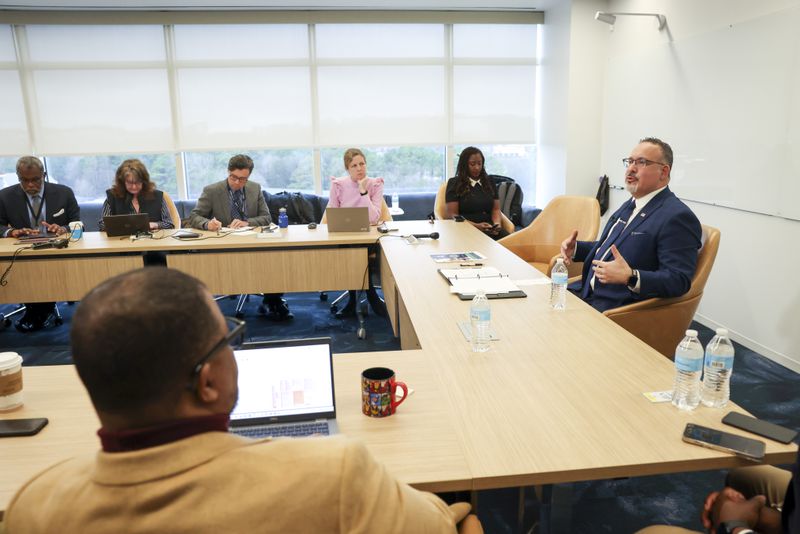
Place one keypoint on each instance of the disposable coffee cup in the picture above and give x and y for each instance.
(10, 381)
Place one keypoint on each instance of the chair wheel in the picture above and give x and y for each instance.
(334, 308)
(323, 296)
(59, 321)
(240, 315)
(361, 333)
(7, 322)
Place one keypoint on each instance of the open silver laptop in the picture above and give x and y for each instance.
(285, 389)
(348, 219)
(119, 225)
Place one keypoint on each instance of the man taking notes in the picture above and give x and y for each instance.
(152, 349)
(649, 245)
(237, 202)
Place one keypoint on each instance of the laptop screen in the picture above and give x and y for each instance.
(284, 381)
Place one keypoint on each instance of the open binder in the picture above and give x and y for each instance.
(466, 282)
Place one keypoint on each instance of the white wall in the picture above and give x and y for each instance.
(571, 92)
(761, 310)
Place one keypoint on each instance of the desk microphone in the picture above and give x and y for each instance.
(432, 235)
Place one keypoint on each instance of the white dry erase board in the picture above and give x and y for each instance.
(728, 101)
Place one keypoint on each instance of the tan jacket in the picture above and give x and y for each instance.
(219, 482)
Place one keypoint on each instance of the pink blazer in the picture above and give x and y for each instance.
(345, 194)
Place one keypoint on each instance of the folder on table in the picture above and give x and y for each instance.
(466, 282)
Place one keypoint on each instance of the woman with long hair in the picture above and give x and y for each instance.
(133, 192)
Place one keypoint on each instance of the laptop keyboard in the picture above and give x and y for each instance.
(287, 431)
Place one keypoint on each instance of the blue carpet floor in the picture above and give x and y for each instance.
(764, 388)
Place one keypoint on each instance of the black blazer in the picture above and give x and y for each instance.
(14, 210)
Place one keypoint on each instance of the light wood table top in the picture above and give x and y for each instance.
(418, 443)
(294, 236)
(558, 398)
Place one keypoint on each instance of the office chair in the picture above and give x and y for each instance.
(173, 210)
(539, 243)
(440, 210)
(662, 322)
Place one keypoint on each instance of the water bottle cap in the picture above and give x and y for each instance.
(722, 332)
(691, 333)
(282, 210)
(559, 260)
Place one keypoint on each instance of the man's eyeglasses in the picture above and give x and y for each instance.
(234, 338)
(239, 179)
(640, 162)
(36, 180)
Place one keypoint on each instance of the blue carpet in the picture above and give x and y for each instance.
(765, 388)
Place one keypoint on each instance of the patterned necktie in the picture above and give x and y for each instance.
(36, 214)
(616, 230)
(237, 207)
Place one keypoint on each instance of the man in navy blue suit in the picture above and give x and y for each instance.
(649, 245)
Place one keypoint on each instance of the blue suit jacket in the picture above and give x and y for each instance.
(661, 242)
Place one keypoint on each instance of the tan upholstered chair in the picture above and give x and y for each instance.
(661, 323)
(440, 210)
(173, 211)
(539, 243)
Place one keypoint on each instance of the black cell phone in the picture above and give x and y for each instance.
(750, 449)
(762, 428)
(21, 427)
(459, 218)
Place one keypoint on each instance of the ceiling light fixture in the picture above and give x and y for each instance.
(611, 18)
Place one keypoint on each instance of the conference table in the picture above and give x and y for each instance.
(558, 398)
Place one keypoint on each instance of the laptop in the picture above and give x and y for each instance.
(285, 389)
(348, 219)
(119, 225)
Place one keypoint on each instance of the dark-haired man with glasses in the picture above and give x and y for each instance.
(649, 245)
(237, 202)
(153, 351)
(33, 206)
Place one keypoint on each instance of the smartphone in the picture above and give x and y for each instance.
(762, 428)
(21, 427)
(750, 449)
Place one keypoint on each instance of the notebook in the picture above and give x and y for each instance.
(285, 389)
(347, 219)
(119, 225)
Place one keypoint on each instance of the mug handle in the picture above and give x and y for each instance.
(401, 385)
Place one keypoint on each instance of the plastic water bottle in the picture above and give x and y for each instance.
(719, 366)
(558, 285)
(283, 218)
(688, 367)
(480, 319)
(395, 200)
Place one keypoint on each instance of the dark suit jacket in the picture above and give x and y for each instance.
(661, 242)
(216, 202)
(14, 210)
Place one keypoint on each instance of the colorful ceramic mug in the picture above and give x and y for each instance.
(378, 388)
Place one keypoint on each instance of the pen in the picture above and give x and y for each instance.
(471, 264)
